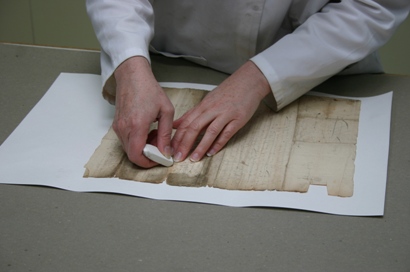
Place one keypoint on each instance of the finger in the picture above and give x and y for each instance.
(122, 133)
(211, 134)
(181, 125)
(131, 148)
(185, 116)
(135, 135)
(223, 138)
(165, 131)
(135, 151)
(187, 133)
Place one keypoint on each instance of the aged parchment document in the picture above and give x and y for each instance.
(310, 142)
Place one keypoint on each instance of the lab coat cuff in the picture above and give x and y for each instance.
(109, 65)
(280, 96)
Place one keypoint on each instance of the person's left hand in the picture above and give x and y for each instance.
(220, 114)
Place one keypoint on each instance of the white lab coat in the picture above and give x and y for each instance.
(296, 44)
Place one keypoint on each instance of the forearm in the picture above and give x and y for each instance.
(133, 69)
(326, 43)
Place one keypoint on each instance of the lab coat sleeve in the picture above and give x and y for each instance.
(325, 43)
(124, 29)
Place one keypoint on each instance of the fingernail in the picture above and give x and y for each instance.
(168, 152)
(194, 157)
(211, 152)
(178, 157)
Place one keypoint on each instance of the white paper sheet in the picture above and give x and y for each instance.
(52, 144)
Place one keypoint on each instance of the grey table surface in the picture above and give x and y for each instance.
(46, 229)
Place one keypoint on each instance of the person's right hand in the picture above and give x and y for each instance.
(140, 101)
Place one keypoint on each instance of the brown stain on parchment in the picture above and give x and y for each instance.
(244, 164)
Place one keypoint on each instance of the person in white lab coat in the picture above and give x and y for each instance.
(275, 51)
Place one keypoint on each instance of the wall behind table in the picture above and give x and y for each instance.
(65, 23)
(47, 22)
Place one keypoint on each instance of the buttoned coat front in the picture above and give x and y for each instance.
(296, 44)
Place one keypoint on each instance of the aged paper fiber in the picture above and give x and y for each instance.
(310, 142)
